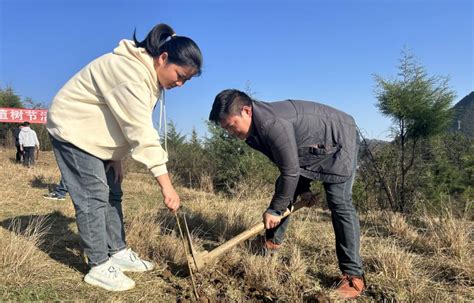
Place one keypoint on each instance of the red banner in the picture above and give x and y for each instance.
(20, 115)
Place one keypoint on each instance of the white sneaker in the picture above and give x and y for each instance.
(128, 260)
(109, 277)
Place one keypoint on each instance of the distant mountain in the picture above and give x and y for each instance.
(372, 144)
(463, 120)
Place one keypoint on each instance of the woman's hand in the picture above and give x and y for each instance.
(170, 197)
(118, 171)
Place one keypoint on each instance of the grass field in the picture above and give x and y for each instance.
(407, 259)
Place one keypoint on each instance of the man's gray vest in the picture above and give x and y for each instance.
(303, 138)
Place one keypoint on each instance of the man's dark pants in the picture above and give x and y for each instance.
(345, 222)
(29, 155)
(18, 155)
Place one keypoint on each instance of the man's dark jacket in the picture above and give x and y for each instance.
(16, 135)
(303, 138)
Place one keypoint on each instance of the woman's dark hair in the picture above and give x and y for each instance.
(181, 50)
(228, 102)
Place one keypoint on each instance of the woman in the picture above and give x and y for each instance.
(98, 117)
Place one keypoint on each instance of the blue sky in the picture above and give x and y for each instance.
(326, 51)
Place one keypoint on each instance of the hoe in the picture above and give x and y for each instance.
(198, 260)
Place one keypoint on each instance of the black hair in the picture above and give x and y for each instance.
(181, 50)
(26, 123)
(228, 102)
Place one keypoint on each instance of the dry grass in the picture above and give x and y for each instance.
(423, 259)
(390, 261)
(398, 226)
(19, 252)
(450, 240)
(448, 236)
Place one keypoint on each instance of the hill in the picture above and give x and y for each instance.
(406, 258)
(463, 119)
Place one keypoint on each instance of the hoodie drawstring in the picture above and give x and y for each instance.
(162, 102)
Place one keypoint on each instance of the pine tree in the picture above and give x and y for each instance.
(419, 107)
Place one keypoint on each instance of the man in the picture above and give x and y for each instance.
(307, 141)
(16, 134)
(28, 142)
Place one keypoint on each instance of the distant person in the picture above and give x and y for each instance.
(59, 192)
(16, 134)
(28, 142)
(307, 141)
(99, 116)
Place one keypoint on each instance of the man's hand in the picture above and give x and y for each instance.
(117, 167)
(270, 220)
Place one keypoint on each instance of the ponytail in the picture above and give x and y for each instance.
(181, 50)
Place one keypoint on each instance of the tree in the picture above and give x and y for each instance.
(226, 153)
(236, 166)
(446, 170)
(419, 107)
(172, 141)
(196, 165)
(194, 141)
(8, 98)
(174, 138)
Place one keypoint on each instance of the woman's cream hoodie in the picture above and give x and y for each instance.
(106, 109)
